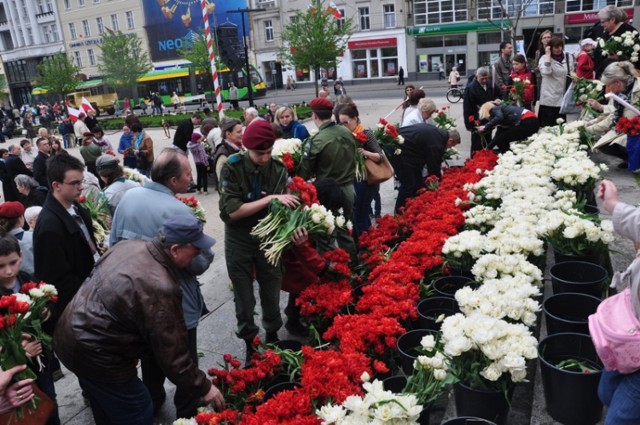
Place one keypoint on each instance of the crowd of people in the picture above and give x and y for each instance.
(137, 297)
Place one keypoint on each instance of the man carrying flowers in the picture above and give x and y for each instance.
(248, 182)
(330, 153)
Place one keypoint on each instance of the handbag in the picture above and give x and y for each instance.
(40, 416)
(568, 101)
(615, 331)
(378, 172)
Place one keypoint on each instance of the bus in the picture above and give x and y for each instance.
(181, 80)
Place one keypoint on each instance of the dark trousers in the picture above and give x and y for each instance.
(201, 177)
(377, 204)
(477, 143)
(44, 380)
(128, 403)
(361, 207)
(401, 80)
(410, 182)
(504, 137)
(153, 378)
(547, 115)
(616, 150)
(292, 311)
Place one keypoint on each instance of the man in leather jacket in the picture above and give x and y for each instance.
(131, 305)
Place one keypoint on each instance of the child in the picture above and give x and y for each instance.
(196, 146)
(99, 139)
(12, 222)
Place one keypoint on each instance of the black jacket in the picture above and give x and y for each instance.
(8, 185)
(40, 168)
(474, 97)
(62, 256)
(183, 133)
(504, 116)
(424, 144)
(601, 62)
(16, 166)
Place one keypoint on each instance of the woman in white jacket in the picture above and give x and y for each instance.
(554, 67)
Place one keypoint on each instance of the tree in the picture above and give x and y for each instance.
(315, 38)
(58, 75)
(123, 60)
(195, 51)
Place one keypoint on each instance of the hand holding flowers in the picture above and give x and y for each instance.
(388, 137)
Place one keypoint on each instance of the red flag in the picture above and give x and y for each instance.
(73, 113)
(86, 105)
(334, 10)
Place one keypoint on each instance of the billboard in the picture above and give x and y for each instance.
(168, 22)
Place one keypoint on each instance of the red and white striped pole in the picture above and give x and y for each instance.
(212, 59)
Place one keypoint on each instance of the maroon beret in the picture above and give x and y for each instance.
(196, 137)
(259, 135)
(321, 104)
(11, 210)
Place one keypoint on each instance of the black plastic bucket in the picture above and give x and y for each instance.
(489, 405)
(571, 397)
(563, 258)
(578, 276)
(569, 312)
(407, 345)
(467, 420)
(431, 308)
(448, 285)
(277, 388)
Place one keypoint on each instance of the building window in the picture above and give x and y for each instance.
(78, 59)
(492, 9)
(54, 32)
(92, 57)
(49, 6)
(130, 22)
(47, 33)
(100, 24)
(96, 1)
(389, 11)
(72, 31)
(586, 5)
(268, 30)
(67, 5)
(114, 23)
(373, 63)
(363, 13)
(41, 6)
(439, 11)
(81, 3)
(85, 28)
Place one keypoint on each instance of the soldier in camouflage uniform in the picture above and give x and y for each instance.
(248, 182)
(330, 153)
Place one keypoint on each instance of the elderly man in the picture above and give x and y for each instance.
(170, 175)
(424, 146)
(331, 153)
(130, 306)
(250, 115)
(478, 92)
(80, 128)
(426, 108)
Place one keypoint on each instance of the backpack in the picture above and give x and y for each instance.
(615, 331)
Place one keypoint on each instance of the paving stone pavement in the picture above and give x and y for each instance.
(216, 330)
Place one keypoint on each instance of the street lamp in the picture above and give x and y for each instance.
(246, 49)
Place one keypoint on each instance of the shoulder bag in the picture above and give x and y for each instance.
(378, 172)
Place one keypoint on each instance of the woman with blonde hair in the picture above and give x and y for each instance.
(291, 127)
(514, 123)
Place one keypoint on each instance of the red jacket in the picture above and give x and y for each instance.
(585, 66)
(529, 93)
(302, 267)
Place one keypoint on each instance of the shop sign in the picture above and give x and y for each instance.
(588, 17)
(457, 28)
(372, 43)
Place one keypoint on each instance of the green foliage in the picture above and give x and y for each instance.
(151, 121)
(314, 38)
(123, 59)
(58, 74)
(196, 52)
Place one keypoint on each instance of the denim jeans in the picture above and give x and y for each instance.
(621, 394)
(44, 380)
(361, 207)
(119, 404)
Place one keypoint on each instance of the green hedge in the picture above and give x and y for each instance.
(150, 121)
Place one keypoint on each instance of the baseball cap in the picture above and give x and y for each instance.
(186, 229)
(106, 161)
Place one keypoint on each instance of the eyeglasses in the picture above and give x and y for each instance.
(73, 183)
(346, 123)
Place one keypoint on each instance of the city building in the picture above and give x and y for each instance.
(29, 33)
